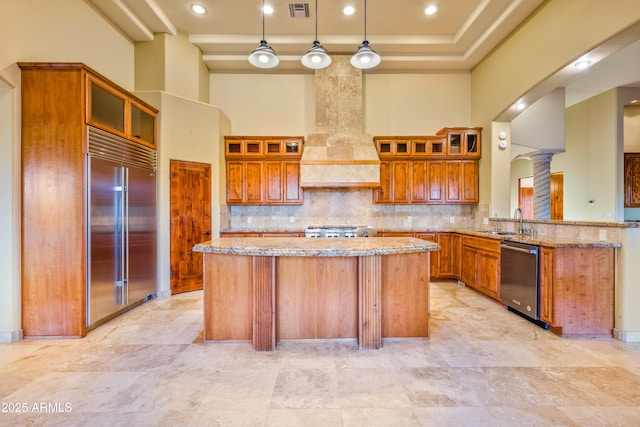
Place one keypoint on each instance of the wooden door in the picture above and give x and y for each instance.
(383, 193)
(435, 177)
(525, 201)
(419, 182)
(291, 181)
(190, 199)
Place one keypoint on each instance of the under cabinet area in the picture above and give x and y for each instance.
(440, 169)
(263, 170)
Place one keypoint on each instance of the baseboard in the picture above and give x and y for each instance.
(626, 336)
(11, 336)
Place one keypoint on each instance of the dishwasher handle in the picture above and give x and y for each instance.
(519, 249)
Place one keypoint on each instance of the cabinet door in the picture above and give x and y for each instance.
(632, 180)
(469, 266)
(235, 181)
(434, 256)
(456, 255)
(291, 179)
(401, 175)
(469, 181)
(489, 273)
(445, 258)
(253, 182)
(546, 285)
(461, 181)
(419, 182)
(435, 178)
(383, 193)
(273, 182)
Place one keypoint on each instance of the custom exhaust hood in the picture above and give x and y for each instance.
(339, 154)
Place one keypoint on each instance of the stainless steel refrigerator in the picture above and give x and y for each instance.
(121, 224)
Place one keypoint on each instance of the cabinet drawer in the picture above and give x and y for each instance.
(483, 243)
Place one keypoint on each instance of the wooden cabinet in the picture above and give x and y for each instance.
(263, 170)
(395, 181)
(462, 142)
(632, 180)
(577, 290)
(261, 234)
(421, 170)
(461, 181)
(59, 101)
(481, 264)
(114, 110)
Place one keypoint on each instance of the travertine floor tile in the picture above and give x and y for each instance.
(481, 366)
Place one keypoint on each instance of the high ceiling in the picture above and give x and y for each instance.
(455, 38)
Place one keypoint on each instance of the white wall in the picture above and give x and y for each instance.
(394, 104)
(189, 131)
(541, 126)
(63, 31)
(33, 31)
(631, 129)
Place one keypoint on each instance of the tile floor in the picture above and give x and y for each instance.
(482, 366)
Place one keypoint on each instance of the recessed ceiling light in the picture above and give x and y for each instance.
(634, 101)
(521, 106)
(198, 9)
(349, 10)
(582, 64)
(268, 10)
(430, 10)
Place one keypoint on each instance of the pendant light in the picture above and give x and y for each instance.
(365, 57)
(263, 56)
(317, 57)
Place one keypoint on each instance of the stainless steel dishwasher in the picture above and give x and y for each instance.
(519, 279)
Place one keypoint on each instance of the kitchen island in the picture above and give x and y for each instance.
(277, 288)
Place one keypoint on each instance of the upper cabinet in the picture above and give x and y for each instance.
(462, 142)
(632, 180)
(116, 111)
(263, 170)
(441, 169)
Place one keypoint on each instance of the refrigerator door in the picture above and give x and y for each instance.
(106, 239)
(141, 210)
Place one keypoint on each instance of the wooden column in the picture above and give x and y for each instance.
(264, 303)
(369, 302)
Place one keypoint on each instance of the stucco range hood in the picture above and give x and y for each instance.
(339, 154)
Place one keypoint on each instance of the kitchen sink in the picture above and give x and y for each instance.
(502, 233)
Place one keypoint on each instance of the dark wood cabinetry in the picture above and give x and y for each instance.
(263, 170)
(632, 180)
(440, 169)
(59, 102)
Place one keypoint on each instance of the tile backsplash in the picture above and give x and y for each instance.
(351, 207)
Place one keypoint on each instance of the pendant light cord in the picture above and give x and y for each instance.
(365, 19)
(316, 20)
(263, 19)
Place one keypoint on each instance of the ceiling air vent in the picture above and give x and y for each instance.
(299, 10)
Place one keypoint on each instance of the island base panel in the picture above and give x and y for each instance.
(228, 297)
(317, 297)
(405, 295)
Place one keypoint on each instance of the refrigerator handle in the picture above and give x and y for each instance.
(125, 252)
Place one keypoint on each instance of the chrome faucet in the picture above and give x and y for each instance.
(518, 215)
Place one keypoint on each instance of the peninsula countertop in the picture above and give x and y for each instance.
(303, 246)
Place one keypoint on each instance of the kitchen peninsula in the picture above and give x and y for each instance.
(268, 289)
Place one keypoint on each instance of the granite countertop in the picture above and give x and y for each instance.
(304, 246)
(549, 241)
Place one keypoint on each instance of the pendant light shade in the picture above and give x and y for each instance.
(365, 57)
(317, 57)
(263, 56)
